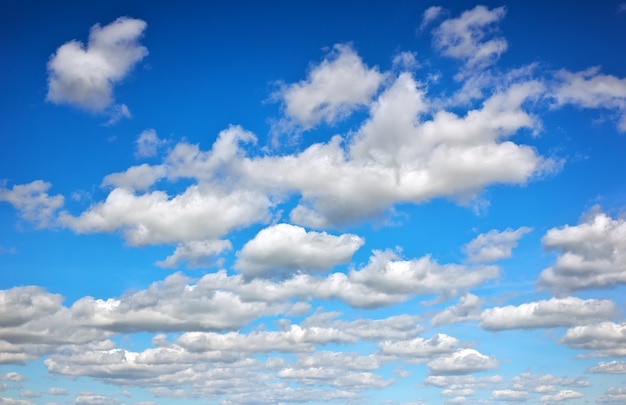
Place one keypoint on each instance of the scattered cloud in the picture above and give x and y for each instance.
(509, 395)
(494, 245)
(561, 396)
(608, 339)
(463, 361)
(148, 143)
(591, 254)
(430, 14)
(332, 90)
(613, 395)
(33, 202)
(85, 76)
(464, 37)
(466, 309)
(609, 367)
(289, 248)
(591, 89)
(196, 253)
(555, 312)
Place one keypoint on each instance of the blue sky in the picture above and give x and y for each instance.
(312, 202)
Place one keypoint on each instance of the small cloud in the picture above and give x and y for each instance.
(148, 144)
(84, 76)
(430, 15)
(117, 112)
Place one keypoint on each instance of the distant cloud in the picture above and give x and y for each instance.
(430, 14)
(33, 202)
(148, 143)
(609, 367)
(494, 245)
(463, 361)
(85, 76)
(463, 38)
(621, 8)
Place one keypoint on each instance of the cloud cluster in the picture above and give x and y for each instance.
(591, 255)
(494, 245)
(85, 76)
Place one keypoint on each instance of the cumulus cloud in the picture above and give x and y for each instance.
(33, 202)
(84, 76)
(466, 309)
(562, 396)
(195, 253)
(420, 348)
(494, 245)
(591, 255)
(201, 212)
(463, 361)
(609, 367)
(332, 90)
(613, 395)
(136, 177)
(608, 339)
(555, 312)
(147, 144)
(591, 89)
(285, 247)
(509, 395)
(464, 38)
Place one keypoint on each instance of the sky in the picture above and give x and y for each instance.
(312, 202)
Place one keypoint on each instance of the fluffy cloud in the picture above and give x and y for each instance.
(609, 367)
(420, 348)
(463, 361)
(494, 245)
(551, 313)
(561, 396)
(287, 248)
(590, 89)
(466, 309)
(202, 212)
(136, 177)
(509, 395)
(332, 90)
(591, 255)
(430, 14)
(608, 339)
(33, 201)
(464, 37)
(85, 76)
(545, 383)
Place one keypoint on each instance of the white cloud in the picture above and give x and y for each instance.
(91, 399)
(11, 401)
(287, 248)
(203, 211)
(464, 381)
(613, 395)
(29, 394)
(197, 253)
(494, 245)
(590, 89)
(148, 143)
(562, 396)
(85, 76)
(420, 348)
(608, 339)
(466, 309)
(555, 312)
(332, 90)
(464, 37)
(33, 201)
(430, 14)
(118, 112)
(591, 255)
(57, 391)
(463, 361)
(509, 395)
(13, 376)
(609, 367)
(136, 177)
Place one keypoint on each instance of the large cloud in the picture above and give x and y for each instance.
(85, 76)
(550, 313)
(591, 255)
(290, 248)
